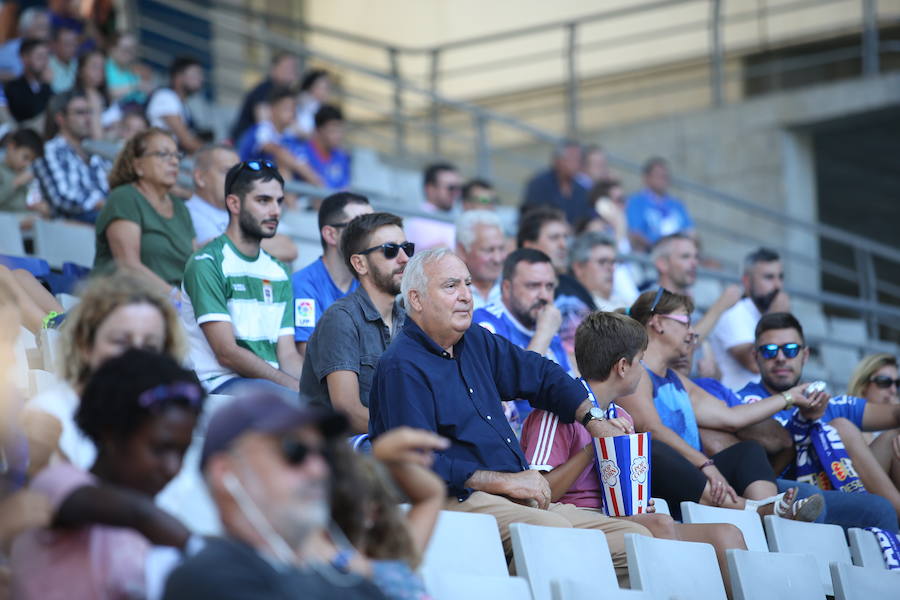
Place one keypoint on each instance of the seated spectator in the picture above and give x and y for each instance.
(124, 79)
(63, 59)
(315, 90)
(355, 330)
(237, 298)
(273, 139)
(652, 213)
(282, 74)
(417, 385)
(479, 194)
(323, 152)
(525, 314)
(558, 188)
(139, 410)
(34, 24)
(91, 79)
(673, 408)
(546, 229)
(27, 96)
(72, 180)
(480, 243)
(142, 226)
(442, 186)
(732, 336)
(132, 123)
(207, 206)
(876, 380)
(167, 108)
(22, 148)
(263, 462)
(319, 285)
(594, 167)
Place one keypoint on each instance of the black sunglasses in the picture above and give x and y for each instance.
(769, 351)
(884, 382)
(391, 249)
(295, 452)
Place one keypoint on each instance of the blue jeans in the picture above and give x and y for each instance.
(848, 509)
(238, 385)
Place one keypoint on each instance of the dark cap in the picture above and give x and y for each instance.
(265, 413)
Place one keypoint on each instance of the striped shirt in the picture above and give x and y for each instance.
(69, 184)
(253, 294)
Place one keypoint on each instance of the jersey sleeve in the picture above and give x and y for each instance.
(307, 309)
(205, 286)
(851, 408)
(545, 442)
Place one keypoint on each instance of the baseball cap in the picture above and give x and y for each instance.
(265, 412)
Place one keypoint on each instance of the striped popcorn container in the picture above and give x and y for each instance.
(623, 466)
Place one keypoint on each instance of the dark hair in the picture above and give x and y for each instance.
(27, 138)
(668, 303)
(433, 170)
(359, 231)
(326, 114)
(82, 64)
(602, 188)
(110, 403)
(533, 220)
(182, 64)
(332, 209)
(240, 178)
(61, 29)
(602, 339)
(311, 78)
(760, 255)
(527, 255)
(653, 162)
(30, 44)
(474, 183)
(778, 320)
(280, 93)
(280, 56)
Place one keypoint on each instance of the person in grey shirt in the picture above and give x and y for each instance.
(355, 330)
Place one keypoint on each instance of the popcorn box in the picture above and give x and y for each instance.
(623, 466)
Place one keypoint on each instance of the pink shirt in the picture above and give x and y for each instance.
(96, 562)
(547, 444)
(428, 233)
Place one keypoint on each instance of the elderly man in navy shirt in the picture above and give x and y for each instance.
(445, 375)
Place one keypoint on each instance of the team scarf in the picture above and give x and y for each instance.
(890, 547)
(822, 459)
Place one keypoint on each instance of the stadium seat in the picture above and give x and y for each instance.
(864, 549)
(747, 521)
(773, 576)
(825, 542)
(861, 583)
(40, 380)
(455, 586)
(662, 507)
(673, 569)
(10, 235)
(543, 554)
(564, 589)
(48, 342)
(478, 534)
(59, 242)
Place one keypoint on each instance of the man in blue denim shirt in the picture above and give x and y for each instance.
(443, 375)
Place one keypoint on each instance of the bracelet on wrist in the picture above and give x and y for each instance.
(708, 463)
(788, 400)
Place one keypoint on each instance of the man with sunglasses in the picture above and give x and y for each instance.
(442, 187)
(327, 279)
(237, 298)
(354, 332)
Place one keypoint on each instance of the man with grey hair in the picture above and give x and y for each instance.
(443, 374)
(480, 243)
(558, 187)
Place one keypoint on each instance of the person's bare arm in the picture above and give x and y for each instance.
(301, 349)
(638, 242)
(289, 360)
(124, 239)
(743, 353)
(287, 161)
(562, 478)
(220, 335)
(343, 390)
(527, 487)
(548, 321)
(730, 296)
(187, 140)
(878, 417)
(282, 248)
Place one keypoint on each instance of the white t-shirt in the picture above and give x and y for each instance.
(736, 326)
(165, 103)
(209, 221)
(61, 401)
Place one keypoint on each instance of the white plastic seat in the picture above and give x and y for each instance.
(773, 576)
(662, 507)
(465, 544)
(673, 569)
(543, 554)
(48, 341)
(10, 235)
(564, 589)
(825, 542)
(864, 549)
(747, 521)
(456, 586)
(861, 583)
(58, 242)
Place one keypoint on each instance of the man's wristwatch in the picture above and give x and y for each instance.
(788, 400)
(594, 414)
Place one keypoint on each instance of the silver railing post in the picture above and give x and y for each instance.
(482, 146)
(572, 83)
(870, 58)
(435, 111)
(399, 124)
(716, 53)
(868, 286)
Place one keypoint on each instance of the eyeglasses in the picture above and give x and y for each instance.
(295, 451)
(165, 155)
(80, 112)
(884, 382)
(683, 319)
(391, 249)
(453, 188)
(770, 351)
(158, 397)
(609, 262)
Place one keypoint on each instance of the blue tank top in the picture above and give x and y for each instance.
(674, 406)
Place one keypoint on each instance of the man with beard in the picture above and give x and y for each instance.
(237, 298)
(168, 109)
(354, 332)
(263, 463)
(733, 337)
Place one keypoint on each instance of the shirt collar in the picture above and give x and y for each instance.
(420, 337)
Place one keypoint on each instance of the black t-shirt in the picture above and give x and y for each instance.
(227, 569)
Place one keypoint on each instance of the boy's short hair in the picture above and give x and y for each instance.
(326, 114)
(27, 138)
(602, 339)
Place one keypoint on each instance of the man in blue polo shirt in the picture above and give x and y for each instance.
(323, 152)
(318, 285)
(652, 213)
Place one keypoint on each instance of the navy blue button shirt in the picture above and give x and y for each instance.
(418, 384)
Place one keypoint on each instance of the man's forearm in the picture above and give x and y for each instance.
(246, 364)
(492, 482)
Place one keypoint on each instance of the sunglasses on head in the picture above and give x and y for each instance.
(884, 382)
(769, 351)
(253, 165)
(158, 397)
(656, 299)
(295, 451)
(391, 249)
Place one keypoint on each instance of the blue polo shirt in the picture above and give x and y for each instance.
(849, 407)
(544, 189)
(655, 216)
(314, 292)
(418, 384)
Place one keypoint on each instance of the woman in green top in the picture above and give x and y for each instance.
(141, 225)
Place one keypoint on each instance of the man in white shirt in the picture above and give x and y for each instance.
(443, 187)
(167, 108)
(480, 243)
